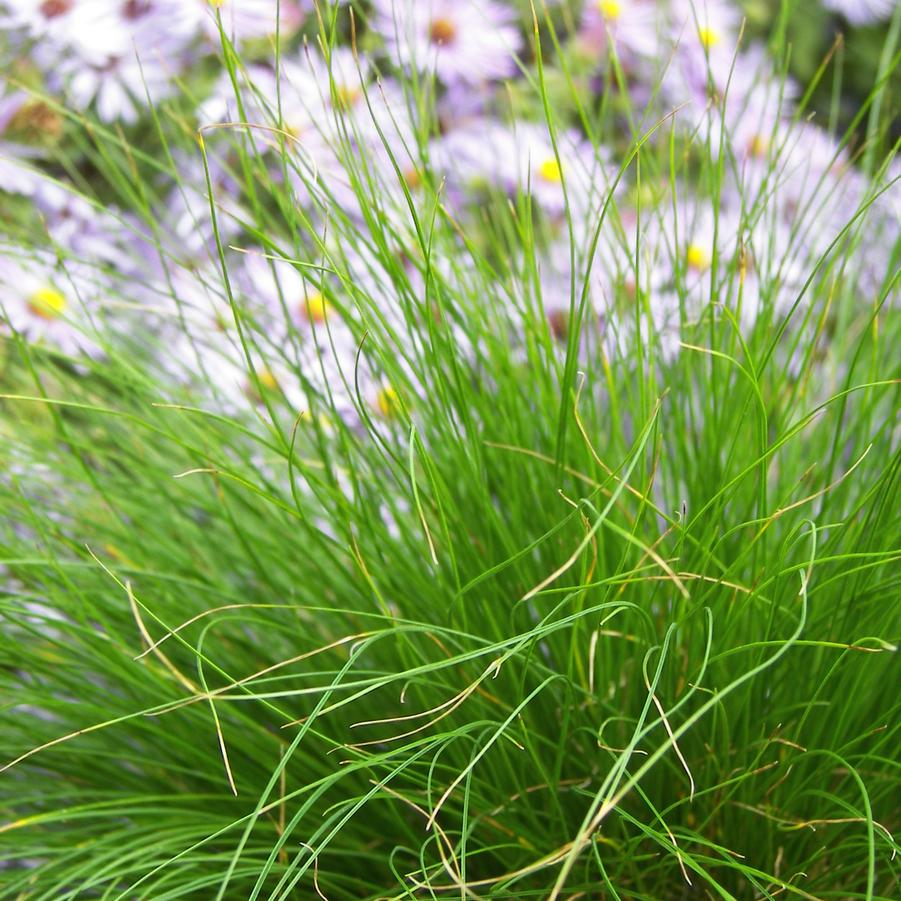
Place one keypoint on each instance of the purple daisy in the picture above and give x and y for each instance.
(460, 40)
(862, 12)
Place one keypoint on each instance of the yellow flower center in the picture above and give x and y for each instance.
(550, 171)
(53, 8)
(315, 307)
(47, 303)
(442, 31)
(412, 178)
(558, 322)
(216, 4)
(758, 146)
(708, 37)
(267, 379)
(697, 258)
(387, 402)
(610, 9)
(347, 96)
(36, 122)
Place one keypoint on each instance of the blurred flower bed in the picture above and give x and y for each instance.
(414, 103)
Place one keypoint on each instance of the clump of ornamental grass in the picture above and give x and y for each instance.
(542, 545)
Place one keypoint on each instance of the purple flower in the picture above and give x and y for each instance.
(115, 56)
(77, 225)
(41, 18)
(862, 12)
(633, 26)
(460, 40)
(47, 304)
(243, 20)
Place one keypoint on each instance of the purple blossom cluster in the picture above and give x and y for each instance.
(120, 55)
(352, 137)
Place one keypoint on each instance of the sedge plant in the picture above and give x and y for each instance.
(522, 601)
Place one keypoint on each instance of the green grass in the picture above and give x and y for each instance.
(561, 625)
